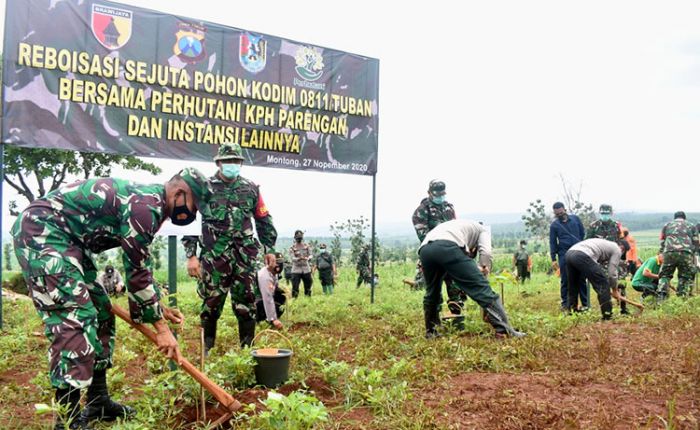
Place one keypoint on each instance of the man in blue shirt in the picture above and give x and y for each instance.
(564, 232)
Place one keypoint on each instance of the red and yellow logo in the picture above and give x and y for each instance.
(111, 26)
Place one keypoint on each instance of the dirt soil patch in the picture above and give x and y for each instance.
(614, 376)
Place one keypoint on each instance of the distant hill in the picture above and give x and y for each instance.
(502, 225)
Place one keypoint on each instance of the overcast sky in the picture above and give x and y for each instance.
(496, 99)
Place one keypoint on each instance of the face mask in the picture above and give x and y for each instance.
(561, 217)
(321, 250)
(230, 170)
(180, 210)
(605, 218)
(279, 268)
(438, 200)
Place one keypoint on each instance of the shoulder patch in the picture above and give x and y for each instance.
(260, 208)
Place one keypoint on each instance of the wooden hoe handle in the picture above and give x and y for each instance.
(622, 298)
(219, 394)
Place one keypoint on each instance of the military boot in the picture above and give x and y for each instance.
(246, 332)
(496, 316)
(69, 400)
(209, 326)
(607, 310)
(99, 406)
(432, 320)
(623, 308)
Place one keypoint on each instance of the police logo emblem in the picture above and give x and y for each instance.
(111, 26)
(309, 63)
(252, 52)
(189, 46)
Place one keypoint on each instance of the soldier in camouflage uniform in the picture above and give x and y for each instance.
(53, 239)
(679, 242)
(227, 262)
(607, 228)
(363, 267)
(432, 211)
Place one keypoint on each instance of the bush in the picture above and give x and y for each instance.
(298, 411)
(17, 284)
(236, 368)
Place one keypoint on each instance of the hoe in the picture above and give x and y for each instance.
(228, 402)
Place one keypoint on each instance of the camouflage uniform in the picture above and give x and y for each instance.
(679, 242)
(608, 230)
(53, 238)
(425, 218)
(612, 231)
(363, 267)
(228, 247)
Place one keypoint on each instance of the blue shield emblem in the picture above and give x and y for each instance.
(190, 42)
(252, 52)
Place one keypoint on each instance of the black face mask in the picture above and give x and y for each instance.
(298, 239)
(562, 217)
(183, 209)
(279, 268)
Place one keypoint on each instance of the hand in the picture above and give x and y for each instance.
(485, 270)
(555, 265)
(270, 261)
(193, 267)
(118, 289)
(173, 315)
(167, 344)
(277, 325)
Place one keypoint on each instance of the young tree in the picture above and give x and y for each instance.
(157, 247)
(35, 172)
(574, 202)
(536, 220)
(355, 228)
(7, 255)
(336, 245)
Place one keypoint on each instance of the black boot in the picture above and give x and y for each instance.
(607, 310)
(432, 320)
(69, 399)
(246, 331)
(209, 326)
(623, 308)
(496, 316)
(99, 406)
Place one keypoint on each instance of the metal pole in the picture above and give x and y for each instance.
(374, 207)
(2, 181)
(172, 282)
(172, 270)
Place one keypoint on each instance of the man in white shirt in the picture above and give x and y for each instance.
(271, 299)
(112, 281)
(585, 260)
(450, 250)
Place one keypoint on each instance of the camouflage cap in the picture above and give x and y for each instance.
(197, 182)
(229, 151)
(605, 209)
(436, 188)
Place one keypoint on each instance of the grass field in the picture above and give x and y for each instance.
(370, 367)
